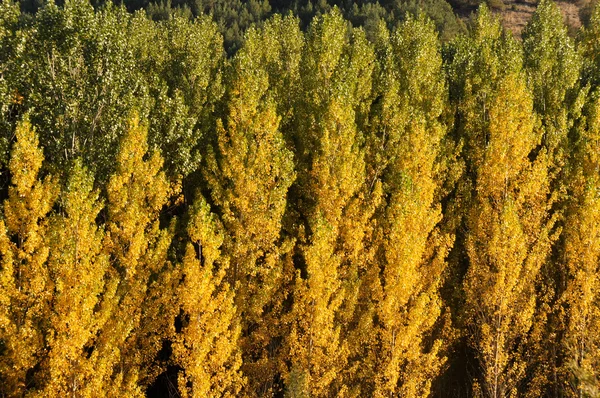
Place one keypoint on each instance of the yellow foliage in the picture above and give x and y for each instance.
(581, 298)
(402, 297)
(142, 308)
(509, 230)
(249, 173)
(336, 68)
(207, 348)
(26, 285)
(78, 266)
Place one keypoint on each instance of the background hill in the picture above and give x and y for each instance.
(235, 16)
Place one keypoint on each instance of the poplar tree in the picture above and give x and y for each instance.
(79, 266)
(553, 68)
(580, 301)
(185, 60)
(407, 138)
(143, 311)
(336, 73)
(206, 348)
(590, 49)
(509, 228)
(80, 83)
(9, 98)
(552, 65)
(283, 42)
(249, 172)
(26, 286)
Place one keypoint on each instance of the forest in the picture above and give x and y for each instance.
(324, 209)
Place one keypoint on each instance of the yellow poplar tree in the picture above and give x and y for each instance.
(26, 287)
(206, 349)
(553, 67)
(249, 173)
(143, 313)
(330, 194)
(410, 255)
(508, 224)
(78, 266)
(580, 301)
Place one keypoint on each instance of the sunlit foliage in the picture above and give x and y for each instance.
(302, 208)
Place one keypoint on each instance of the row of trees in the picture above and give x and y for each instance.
(321, 214)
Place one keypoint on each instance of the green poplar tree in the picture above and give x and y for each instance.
(552, 65)
(590, 49)
(283, 42)
(184, 61)
(10, 99)
(80, 82)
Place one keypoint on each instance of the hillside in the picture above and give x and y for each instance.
(516, 14)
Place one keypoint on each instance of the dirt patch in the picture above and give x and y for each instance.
(516, 14)
(570, 12)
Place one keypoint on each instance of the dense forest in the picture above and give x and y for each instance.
(321, 208)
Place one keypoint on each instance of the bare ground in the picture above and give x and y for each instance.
(517, 13)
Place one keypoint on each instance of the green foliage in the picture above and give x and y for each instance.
(183, 61)
(440, 12)
(590, 48)
(553, 67)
